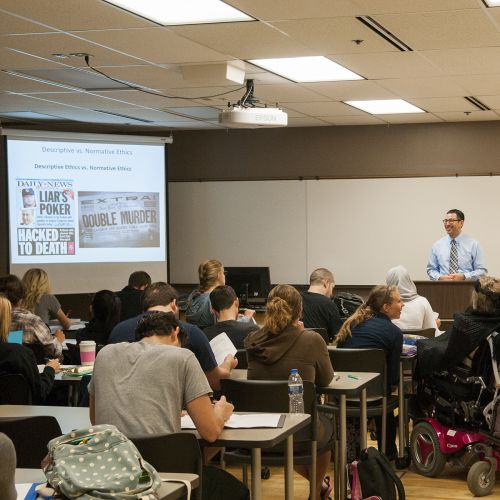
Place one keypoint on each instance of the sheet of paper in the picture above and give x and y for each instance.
(222, 346)
(238, 421)
(22, 490)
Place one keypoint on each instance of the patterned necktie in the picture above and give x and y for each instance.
(453, 257)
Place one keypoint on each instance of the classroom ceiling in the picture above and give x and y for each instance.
(452, 69)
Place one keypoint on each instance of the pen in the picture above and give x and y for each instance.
(352, 376)
(337, 377)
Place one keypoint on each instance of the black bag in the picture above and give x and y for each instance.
(347, 303)
(376, 477)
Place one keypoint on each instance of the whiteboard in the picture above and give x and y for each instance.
(358, 228)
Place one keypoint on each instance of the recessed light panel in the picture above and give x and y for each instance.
(492, 3)
(307, 69)
(385, 106)
(177, 12)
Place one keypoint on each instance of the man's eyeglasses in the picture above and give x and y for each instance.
(449, 221)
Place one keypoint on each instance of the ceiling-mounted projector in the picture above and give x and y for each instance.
(245, 113)
(240, 117)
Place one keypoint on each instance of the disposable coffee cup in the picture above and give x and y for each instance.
(87, 352)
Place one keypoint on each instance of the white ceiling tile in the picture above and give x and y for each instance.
(492, 101)
(479, 84)
(158, 45)
(444, 29)
(423, 87)
(45, 45)
(321, 108)
(348, 91)
(475, 116)
(364, 119)
(307, 122)
(249, 40)
(18, 60)
(10, 24)
(388, 65)
(286, 93)
(296, 9)
(400, 6)
(69, 15)
(444, 104)
(411, 118)
(468, 61)
(334, 35)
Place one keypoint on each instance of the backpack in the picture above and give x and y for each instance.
(347, 303)
(373, 477)
(99, 463)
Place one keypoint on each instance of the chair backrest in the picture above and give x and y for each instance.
(429, 333)
(14, 389)
(38, 351)
(269, 396)
(362, 360)
(178, 452)
(30, 436)
(322, 332)
(241, 356)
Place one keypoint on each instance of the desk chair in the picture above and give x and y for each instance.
(14, 390)
(30, 436)
(429, 333)
(178, 452)
(379, 402)
(322, 332)
(272, 396)
(241, 356)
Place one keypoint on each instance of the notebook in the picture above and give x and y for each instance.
(15, 337)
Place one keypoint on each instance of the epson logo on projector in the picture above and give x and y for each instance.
(240, 117)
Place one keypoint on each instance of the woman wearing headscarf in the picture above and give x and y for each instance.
(417, 313)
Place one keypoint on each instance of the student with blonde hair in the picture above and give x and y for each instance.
(371, 327)
(17, 359)
(39, 299)
(199, 310)
(282, 344)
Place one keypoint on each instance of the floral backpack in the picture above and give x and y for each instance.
(99, 463)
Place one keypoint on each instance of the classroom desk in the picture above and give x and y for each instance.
(346, 384)
(69, 418)
(168, 490)
(256, 439)
(73, 383)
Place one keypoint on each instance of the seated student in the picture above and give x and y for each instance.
(225, 305)
(39, 300)
(17, 359)
(371, 327)
(131, 295)
(163, 298)
(199, 311)
(105, 315)
(154, 380)
(417, 313)
(282, 344)
(35, 331)
(318, 308)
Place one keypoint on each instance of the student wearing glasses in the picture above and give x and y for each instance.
(455, 257)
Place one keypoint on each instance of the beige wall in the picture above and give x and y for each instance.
(337, 152)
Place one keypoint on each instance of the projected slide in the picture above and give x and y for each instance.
(81, 202)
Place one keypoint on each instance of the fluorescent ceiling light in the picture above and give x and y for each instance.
(307, 69)
(175, 12)
(385, 106)
(492, 3)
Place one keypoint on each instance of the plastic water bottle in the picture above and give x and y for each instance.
(295, 392)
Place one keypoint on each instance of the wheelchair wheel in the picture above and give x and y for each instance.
(425, 452)
(480, 480)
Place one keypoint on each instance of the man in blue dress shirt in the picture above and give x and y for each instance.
(456, 256)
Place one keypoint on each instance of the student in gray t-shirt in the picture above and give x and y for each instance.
(141, 387)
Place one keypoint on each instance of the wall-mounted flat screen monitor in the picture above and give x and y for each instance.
(251, 284)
